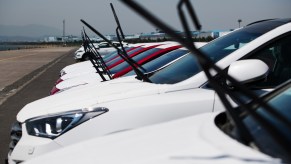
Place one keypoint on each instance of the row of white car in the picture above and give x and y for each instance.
(132, 120)
(151, 56)
(103, 48)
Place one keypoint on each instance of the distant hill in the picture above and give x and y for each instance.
(30, 31)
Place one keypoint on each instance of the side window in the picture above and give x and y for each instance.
(103, 45)
(278, 57)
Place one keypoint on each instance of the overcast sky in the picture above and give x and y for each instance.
(213, 14)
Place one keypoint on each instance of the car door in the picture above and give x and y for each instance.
(277, 55)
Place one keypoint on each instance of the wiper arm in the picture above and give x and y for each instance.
(122, 55)
(238, 86)
(206, 65)
(209, 67)
(97, 57)
(117, 21)
(90, 54)
(120, 34)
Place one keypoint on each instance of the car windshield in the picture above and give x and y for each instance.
(136, 58)
(188, 66)
(160, 61)
(119, 58)
(114, 54)
(263, 140)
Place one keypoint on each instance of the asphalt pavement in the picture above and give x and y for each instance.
(34, 84)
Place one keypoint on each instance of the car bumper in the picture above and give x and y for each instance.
(29, 146)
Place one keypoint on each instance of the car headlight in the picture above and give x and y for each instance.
(62, 73)
(52, 126)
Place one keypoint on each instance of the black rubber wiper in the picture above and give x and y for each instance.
(120, 53)
(206, 65)
(90, 53)
(209, 68)
(95, 56)
(120, 36)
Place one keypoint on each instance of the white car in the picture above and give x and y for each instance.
(156, 58)
(179, 90)
(206, 138)
(157, 63)
(78, 55)
(78, 69)
(103, 48)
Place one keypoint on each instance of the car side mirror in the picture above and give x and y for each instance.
(246, 71)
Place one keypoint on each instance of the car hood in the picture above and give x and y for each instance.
(79, 72)
(77, 66)
(87, 96)
(194, 139)
(81, 80)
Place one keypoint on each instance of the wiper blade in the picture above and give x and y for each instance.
(117, 21)
(206, 65)
(120, 34)
(97, 57)
(121, 53)
(209, 67)
(90, 52)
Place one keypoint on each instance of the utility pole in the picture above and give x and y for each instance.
(64, 31)
(64, 28)
(239, 21)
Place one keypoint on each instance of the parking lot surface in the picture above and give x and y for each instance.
(14, 65)
(30, 75)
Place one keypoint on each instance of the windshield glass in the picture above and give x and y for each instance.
(114, 54)
(263, 140)
(119, 58)
(136, 58)
(161, 61)
(187, 66)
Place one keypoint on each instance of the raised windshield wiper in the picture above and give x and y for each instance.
(209, 68)
(122, 53)
(121, 37)
(97, 57)
(94, 57)
(90, 56)
(120, 34)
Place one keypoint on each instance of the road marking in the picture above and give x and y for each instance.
(18, 57)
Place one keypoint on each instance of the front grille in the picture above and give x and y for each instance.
(15, 135)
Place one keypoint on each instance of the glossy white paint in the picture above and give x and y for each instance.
(194, 139)
(77, 67)
(83, 79)
(126, 111)
(247, 70)
(86, 75)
